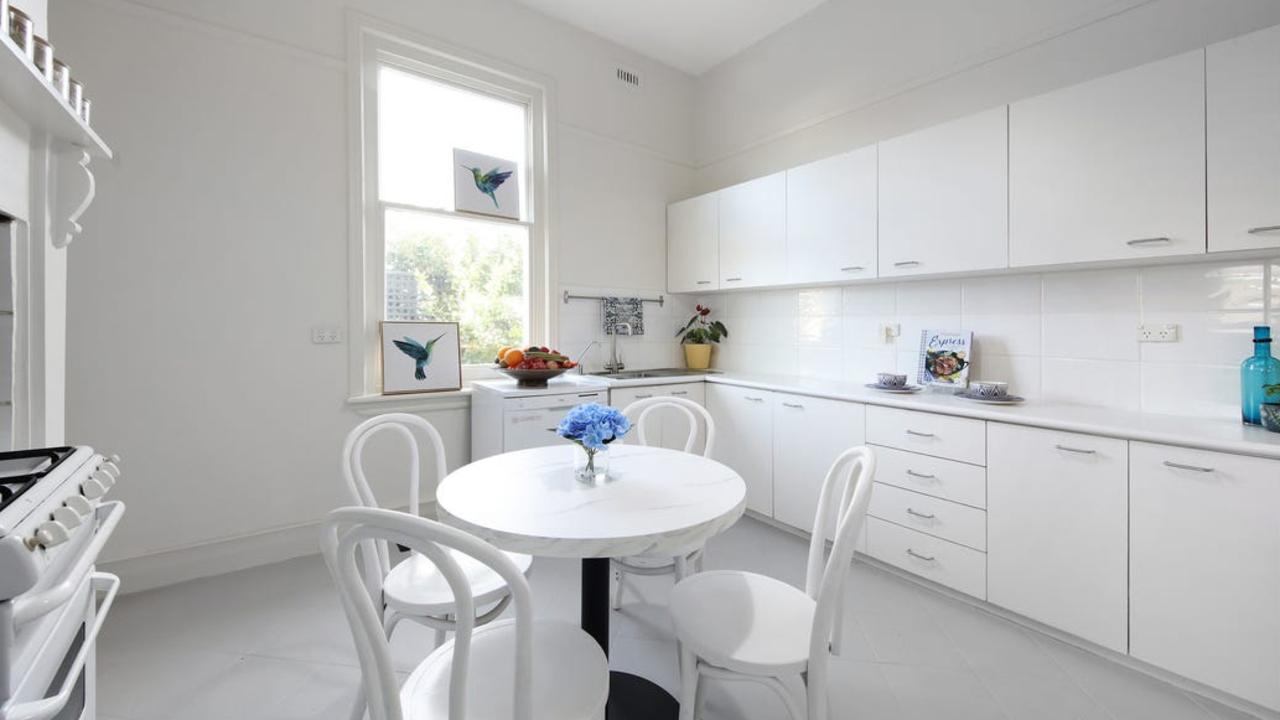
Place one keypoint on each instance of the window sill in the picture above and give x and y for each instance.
(418, 402)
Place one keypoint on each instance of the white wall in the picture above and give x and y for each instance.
(219, 238)
(832, 81)
(1067, 337)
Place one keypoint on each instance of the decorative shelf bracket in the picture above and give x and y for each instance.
(74, 190)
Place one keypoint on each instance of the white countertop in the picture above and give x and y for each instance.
(1204, 433)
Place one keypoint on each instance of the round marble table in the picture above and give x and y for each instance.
(656, 501)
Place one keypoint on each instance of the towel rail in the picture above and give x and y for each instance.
(659, 301)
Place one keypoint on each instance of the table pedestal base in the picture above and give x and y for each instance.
(631, 697)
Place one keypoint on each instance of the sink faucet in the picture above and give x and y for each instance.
(583, 354)
(615, 363)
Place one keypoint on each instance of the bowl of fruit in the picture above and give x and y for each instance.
(533, 366)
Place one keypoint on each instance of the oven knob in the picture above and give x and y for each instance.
(92, 489)
(50, 534)
(68, 517)
(115, 458)
(104, 478)
(81, 506)
(111, 467)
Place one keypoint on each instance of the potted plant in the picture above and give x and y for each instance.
(1271, 407)
(697, 336)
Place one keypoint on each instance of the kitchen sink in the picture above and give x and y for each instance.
(655, 373)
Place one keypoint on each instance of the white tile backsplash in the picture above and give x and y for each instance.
(1069, 337)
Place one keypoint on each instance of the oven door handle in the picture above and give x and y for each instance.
(106, 584)
(34, 605)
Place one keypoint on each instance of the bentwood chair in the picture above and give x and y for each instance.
(743, 626)
(514, 669)
(641, 413)
(415, 588)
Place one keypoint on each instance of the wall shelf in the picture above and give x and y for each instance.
(37, 103)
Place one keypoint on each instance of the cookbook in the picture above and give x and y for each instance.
(945, 357)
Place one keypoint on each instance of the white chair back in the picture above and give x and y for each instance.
(640, 411)
(347, 528)
(377, 555)
(845, 496)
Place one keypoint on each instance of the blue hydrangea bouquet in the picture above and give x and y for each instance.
(592, 427)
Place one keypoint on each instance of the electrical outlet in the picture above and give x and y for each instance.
(326, 335)
(889, 331)
(1158, 333)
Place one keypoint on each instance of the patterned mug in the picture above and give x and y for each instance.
(891, 380)
(990, 388)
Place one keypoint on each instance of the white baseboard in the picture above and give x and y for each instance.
(170, 567)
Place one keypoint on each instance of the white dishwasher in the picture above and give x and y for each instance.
(506, 418)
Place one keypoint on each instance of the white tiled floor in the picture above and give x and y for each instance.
(272, 643)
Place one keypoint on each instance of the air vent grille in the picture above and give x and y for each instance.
(630, 78)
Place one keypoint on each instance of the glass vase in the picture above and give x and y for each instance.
(591, 466)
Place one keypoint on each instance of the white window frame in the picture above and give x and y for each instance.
(372, 43)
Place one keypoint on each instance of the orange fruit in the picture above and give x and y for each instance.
(502, 351)
(513, 357)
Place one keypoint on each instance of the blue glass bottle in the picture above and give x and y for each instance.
(1255, 373)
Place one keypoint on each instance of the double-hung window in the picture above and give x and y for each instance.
(420, 257)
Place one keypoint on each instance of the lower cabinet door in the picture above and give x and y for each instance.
(665, 427)
(1205, 578)
(744, 439)
(808, 435)
(1057, 524)
(946, 563)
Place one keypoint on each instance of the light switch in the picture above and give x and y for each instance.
(326, 335)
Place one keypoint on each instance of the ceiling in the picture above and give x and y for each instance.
(691, 35)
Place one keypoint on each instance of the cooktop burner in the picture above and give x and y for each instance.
(21, 469)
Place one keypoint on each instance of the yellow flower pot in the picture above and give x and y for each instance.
(697, 357)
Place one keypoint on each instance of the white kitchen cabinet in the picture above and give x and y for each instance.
(802, 455)
(1205, 568)
(1057, 524)
(944, 198)
(944, 436)
(693, 244)
(945, 479)
(665, 427)
(753, 233)
(831, 218)
(744, 439)
(1111, 169)
(940, 561)
(1243, 92)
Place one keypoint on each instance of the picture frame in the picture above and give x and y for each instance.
(420, 356)
(485, 185)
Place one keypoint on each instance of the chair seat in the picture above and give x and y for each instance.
(744, 622)
(416, 587)
(570, 676)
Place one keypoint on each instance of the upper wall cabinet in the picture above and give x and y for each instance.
(831, 218)
(1244, 142)
(693, 240)
(1112, 169)
(753, 233)
(944, 198)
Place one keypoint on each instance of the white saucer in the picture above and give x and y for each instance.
(1006, 400)
(905, 390)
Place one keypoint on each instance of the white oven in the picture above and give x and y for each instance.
(53, 601)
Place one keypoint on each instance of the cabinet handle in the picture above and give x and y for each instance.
(1193, 468)
(922, 516)
(1148, 241)
(704, 282)
(922, 476)
(851, 268)
(907, 263)
(680, 392)
(643, 397)
(753, 399)
(797, 406)
(1082, 451)
(918, 556)
(551, 429)
(1264, 229)
(737, 279)
(919, 434)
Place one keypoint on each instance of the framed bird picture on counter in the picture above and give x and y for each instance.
(420, 357)
(485, 185)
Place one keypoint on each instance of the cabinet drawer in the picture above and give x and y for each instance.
(946, 479)
(940, 435)
(945, 563)
(941, 518)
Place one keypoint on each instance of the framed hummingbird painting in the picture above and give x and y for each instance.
(420, 357)
(485, 185)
